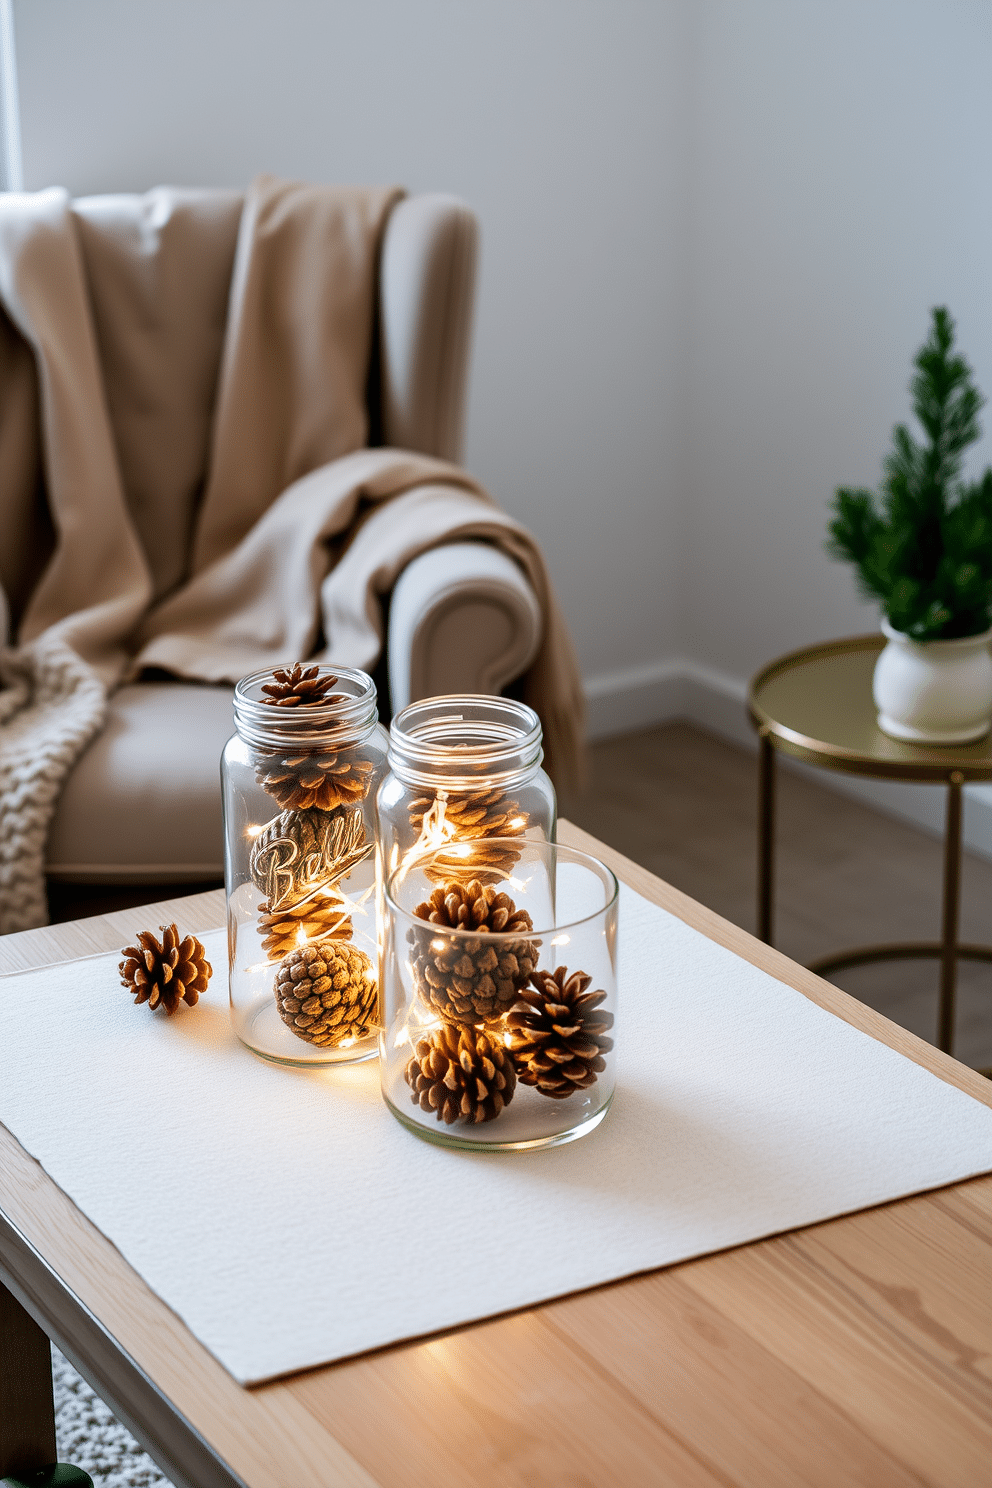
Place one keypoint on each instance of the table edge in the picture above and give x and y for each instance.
(835, 756)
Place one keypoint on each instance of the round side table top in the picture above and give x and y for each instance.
(816, 705)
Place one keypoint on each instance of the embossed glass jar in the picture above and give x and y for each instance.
(300, 778)
(499, 1000)
(463, 769)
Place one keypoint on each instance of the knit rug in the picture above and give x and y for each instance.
(88, 1435)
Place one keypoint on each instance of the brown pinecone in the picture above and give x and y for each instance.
(471, 979)
(300, 851)
(165, 973)
(299, 687)
(327, 993)
(467, 817)
(319, 779)
(461, 1074)
(321, 917)
(555, 1034)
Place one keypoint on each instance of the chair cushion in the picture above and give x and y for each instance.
(143, 803)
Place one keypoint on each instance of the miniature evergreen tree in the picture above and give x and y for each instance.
(927, 554)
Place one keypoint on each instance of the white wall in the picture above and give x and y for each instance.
(840, 187)
(713, 230)
(560, 121)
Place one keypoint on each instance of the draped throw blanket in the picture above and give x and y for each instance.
(184, 482)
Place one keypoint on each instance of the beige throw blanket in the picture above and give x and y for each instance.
(130, 363)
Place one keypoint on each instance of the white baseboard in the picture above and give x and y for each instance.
(640, 697)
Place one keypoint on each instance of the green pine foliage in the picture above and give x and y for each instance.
(924, 545)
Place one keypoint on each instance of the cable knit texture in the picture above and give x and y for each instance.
(52, 704)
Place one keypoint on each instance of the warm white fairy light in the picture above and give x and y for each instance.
(435, 832)
(352, 906)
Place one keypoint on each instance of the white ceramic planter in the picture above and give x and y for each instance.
(934, 692)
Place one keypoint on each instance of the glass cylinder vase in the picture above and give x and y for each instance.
(464, 769)
(499, 998)
(299, 781)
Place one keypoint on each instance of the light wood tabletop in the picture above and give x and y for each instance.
(854, 1352)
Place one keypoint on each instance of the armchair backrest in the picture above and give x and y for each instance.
(159, 286)
(426, 294)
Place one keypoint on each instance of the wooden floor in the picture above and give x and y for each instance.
(683, 804)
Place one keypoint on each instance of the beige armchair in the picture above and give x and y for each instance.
(142, 804)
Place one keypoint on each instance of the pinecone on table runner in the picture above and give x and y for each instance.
(461, 1074)
(327, 993)
(471, 979)
(165, 973)
(556, 1033)
(319, 778)
(320, 917)
(469, 817)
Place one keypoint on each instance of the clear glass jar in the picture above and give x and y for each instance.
(463, 769)
(299, 779)
(499, 999)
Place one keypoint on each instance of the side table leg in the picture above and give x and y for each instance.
(766, 838)
(27, 1409)
(952, 900)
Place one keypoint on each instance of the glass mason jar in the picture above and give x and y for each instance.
(300, 778)
(464, 768)
(499, 999)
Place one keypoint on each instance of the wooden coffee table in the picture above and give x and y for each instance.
(855, 1351)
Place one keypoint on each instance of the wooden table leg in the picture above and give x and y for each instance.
(27, 1408)
(766, 837)
(952, 901)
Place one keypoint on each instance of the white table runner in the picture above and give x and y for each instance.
(290, 1220)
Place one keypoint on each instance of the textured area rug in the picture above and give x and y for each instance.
(89, 1435)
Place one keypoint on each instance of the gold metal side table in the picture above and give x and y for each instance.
(816, 705)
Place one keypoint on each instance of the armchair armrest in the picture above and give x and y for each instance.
(463, 618)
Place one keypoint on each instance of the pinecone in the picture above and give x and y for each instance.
(300, 687)
(471, 979)
(556, 1036)
(321, 917)
(300, 851)
(165, 973)
(327, 993)
(444, 818)
(321, 779)
(462, 1074)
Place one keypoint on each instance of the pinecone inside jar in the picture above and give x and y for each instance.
(557, 1033)
(320, 917)
(327, 993)
(461, 1074)
(471, 978)
(443, 818)
(299, 687)
(302, 778)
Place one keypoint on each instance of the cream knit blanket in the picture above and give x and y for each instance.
(121, 379)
